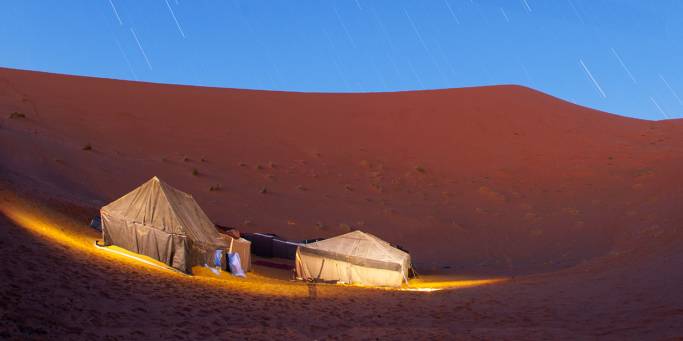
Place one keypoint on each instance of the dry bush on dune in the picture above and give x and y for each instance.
(376, 174)
(195, 172)
(16, 115)
(87, 147)
(490, 194)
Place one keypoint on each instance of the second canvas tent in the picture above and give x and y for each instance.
(353, 258)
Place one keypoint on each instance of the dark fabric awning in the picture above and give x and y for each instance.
(360, 261)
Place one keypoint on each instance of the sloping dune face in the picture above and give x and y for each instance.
(497, 178)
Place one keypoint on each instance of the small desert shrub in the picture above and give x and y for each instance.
(348, 188)
(258, 167)
(195, 172)
(87, 147)
(345, 227)
(643, 172)
(186, 159)
(242, 164)
(215, 188)
(301, 188)
(16, 115)
(272, 165)
(420, 169)
(204, 160)
(376, 174)
(263, 190)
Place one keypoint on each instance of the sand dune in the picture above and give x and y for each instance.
(581, 206)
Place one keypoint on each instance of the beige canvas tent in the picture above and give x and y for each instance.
(167, 224)
(353, 258)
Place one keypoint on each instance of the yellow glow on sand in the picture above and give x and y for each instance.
(421, 289)
(64, 230)
(427, 285)
(136, 257)
(81, 238)
(43, 228)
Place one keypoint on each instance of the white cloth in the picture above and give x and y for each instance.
(235, 264)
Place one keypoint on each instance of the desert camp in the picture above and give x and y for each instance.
(161, 222)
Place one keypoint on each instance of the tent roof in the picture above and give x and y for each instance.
(362, 245)
(161, 206)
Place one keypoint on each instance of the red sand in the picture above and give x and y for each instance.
(500, 180)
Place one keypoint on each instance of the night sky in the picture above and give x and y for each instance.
(621, 56)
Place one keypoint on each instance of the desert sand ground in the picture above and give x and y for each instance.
(578, 210)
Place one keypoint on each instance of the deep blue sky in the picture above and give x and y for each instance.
(632, 49)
